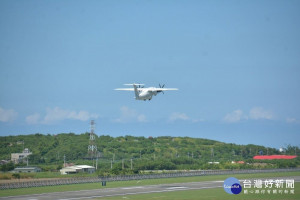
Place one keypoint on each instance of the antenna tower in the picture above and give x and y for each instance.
(92, 148)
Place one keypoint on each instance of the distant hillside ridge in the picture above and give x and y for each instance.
(173, 151)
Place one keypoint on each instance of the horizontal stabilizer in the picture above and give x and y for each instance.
(131, 84)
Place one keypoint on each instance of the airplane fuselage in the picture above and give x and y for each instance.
(146, 94)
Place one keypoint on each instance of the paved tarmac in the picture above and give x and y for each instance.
(97, 193)
(121, 191)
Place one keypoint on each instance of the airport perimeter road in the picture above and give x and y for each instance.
(90, 194)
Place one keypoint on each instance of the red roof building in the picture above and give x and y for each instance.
(273, 157)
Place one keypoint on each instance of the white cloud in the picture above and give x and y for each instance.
(255, 113)
(81, 115)
(57, 114)
(178, 116)
(7, 115)
(130, 115)
(260, 113)
(292, 120)
(234, 116)
(33, 119)
(141, 118)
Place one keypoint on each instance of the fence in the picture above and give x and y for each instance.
(68, 181)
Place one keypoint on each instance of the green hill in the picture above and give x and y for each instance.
(146, 153)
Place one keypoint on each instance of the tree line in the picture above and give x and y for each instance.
(118, 154)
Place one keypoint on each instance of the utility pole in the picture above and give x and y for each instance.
(122, 163)
(111, 164)
(97, 162)
(92, 148)
(242, 153)
(57, 156)
(131, 163)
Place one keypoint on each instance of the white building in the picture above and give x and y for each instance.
(78, 169)
(281, 149)
(19, 157)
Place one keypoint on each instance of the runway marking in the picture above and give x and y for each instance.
(144, 192)
(174, 188)
(128, 193)
(130, 188)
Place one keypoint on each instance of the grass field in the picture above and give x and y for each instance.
(90, 186)
(207, 194)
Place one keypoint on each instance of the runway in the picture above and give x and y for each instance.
(121, 191)
(97, 193)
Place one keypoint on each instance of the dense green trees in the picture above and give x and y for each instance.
(161, 153)
(7, 167)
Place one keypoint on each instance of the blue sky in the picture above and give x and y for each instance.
(236, 64)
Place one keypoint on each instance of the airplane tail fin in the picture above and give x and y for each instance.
(136, 92)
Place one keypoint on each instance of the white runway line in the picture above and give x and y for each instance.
(130, 188)
(174, 188)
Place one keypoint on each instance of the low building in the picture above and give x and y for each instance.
(4, 162)
(78, 169)
(274, 157)
(20, 157)
(26, 170)
(238, 162)
(216, 163)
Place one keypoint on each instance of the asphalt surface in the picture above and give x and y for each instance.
(121, 191)
(90, 194)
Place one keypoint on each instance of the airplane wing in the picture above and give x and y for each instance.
(163, 89)
(131, 84)
(125, 89)
(129, 89)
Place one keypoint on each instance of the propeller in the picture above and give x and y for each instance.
(161, 86)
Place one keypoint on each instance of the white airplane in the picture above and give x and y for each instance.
(142, 93)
